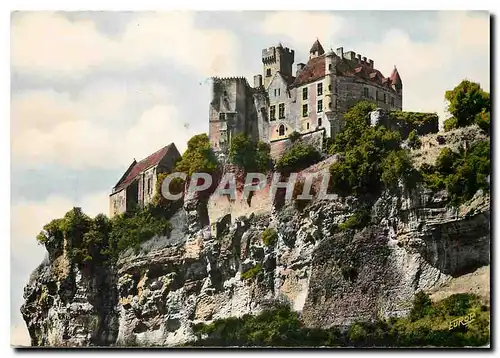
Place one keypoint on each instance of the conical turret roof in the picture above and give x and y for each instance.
(316, 47)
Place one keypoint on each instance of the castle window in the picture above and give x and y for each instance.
(329, 105)
(392, 101)
(366, 93)
(268, 72)
(225, 93)
(385, 98)
(279, 91)
(319, 122)
(272, 113)
(329, 88)
(329, 66)
(222, 116)
(275, 91)
(281, 109)
(307, 125)
(281, 130)
(304, 110)
(320, 89)
(304, 93)
(320, 106)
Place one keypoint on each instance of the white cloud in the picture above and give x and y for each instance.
(87, 131)
(48, 42)
(303, 27)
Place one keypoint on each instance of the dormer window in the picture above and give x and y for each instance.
(222, 116)
(268, 72)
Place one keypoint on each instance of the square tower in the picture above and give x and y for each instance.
(276, 59)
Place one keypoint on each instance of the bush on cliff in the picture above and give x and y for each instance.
(250, 155)
(297, 158)
(370, 157)
(466, 101)
(269, 236)
(461, 173)
(198, 157)
(414, 141)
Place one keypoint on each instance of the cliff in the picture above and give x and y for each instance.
(415, 241)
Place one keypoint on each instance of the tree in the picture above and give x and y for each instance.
(299, 157)
(414, 141)
(198, 157)
(250, 155)
(357, 120)
(466, 101)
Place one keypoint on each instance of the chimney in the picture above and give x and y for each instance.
(300, 67)
(371, 63)
(257, 81)
(359, 58)
(364, 59)
(340, 52)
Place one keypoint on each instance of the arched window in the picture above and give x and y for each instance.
(282, 130)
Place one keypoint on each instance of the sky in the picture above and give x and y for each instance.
(91, 91)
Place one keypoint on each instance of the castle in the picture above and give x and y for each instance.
(312, 101)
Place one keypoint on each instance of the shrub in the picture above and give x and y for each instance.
(450, 124)
(462, 174)
(414, 141)
(198, 157)
(396, 165)
(252, 272)
(250, 155)
(269, 236)
(299, 157)
(421, 306)
(483, 121)
(358, 220)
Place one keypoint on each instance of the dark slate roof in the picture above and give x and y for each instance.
(317, 47)
(142, 165)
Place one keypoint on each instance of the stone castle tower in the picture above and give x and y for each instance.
(276, 59)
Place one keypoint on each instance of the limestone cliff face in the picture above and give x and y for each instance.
(415, 241)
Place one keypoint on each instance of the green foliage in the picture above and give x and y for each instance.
(298, 189)
(159, 201)
(466, 101)
(462, 173)
(358, 220)
(269, 236)
(422, 306)
(414, 141)
(294, 136)
(129, 230)
(51, 231)
(361, 169)
(414, 119)
(198, 157)
(250, 155)
(357, 119)
(450, 124)
(252, 272)
(428, 326)
(299, 157)
(483, 121)
(395, 165)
